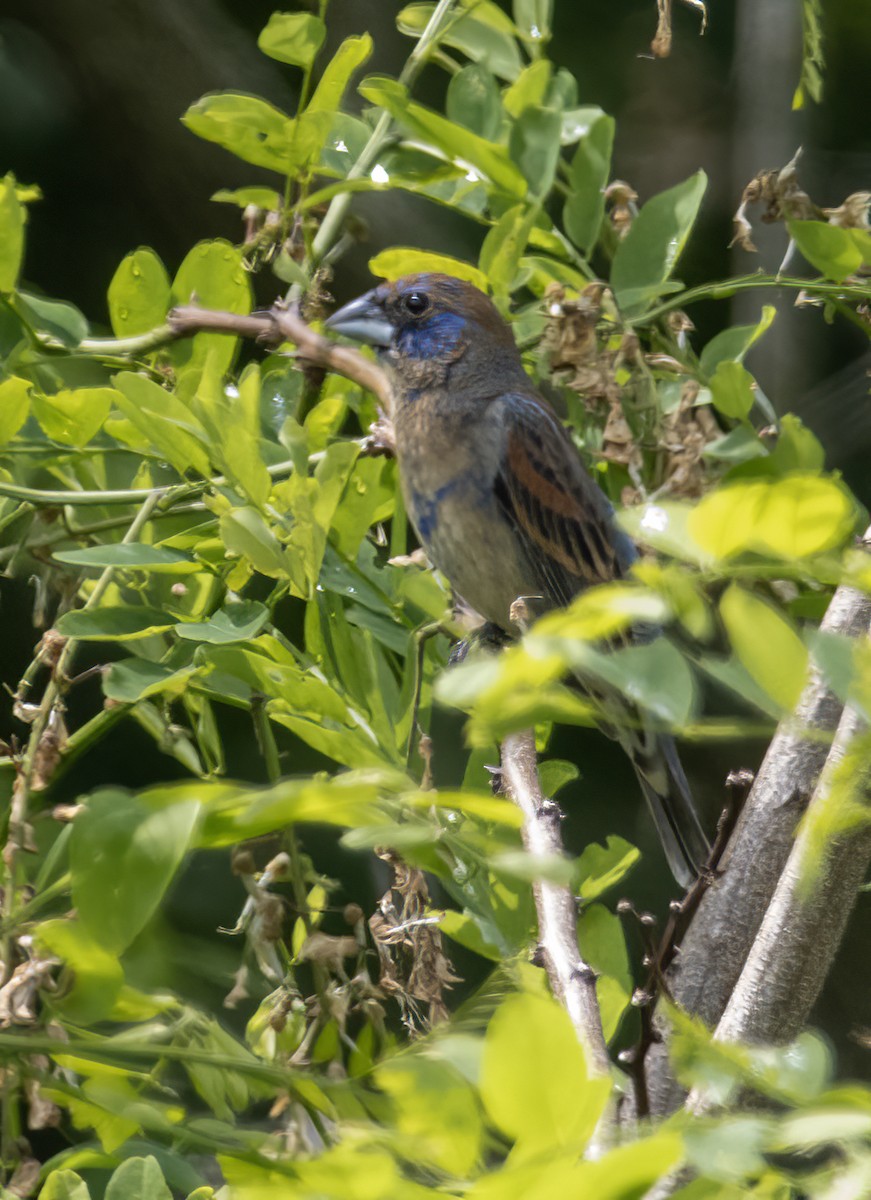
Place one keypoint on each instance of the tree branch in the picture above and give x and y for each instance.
(572, 980)
(719, 939)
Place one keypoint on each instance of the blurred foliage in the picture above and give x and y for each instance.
(209, 523)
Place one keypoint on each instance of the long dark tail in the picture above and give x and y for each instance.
(668, 797)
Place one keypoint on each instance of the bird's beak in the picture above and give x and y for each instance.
(364, 320)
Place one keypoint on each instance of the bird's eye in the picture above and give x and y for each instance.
(416, 303)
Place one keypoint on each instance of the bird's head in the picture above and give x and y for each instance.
(429, 325)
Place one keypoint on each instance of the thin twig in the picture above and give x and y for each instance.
(572, 980)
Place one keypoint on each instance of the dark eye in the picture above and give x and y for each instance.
(415, 303)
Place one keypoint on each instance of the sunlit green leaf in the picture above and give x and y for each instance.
(600, 867)
(12, 219)
(793, 517)
(405, 260)
(64, 1185)
(541, 1099)
(336, 76)
(767, 645)
(139, 294)
(293, 38)
(502, 248)
(530, 89)
(96, 974)
(14, 406)
(835, 252)
(73, 417)
(164, 420)
(436, 1110)
(213, 275)
(485, 34)
(253, 130)
(457, 143)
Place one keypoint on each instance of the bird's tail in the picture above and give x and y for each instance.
(671, 804)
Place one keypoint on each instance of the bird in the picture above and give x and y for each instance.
(499, 498)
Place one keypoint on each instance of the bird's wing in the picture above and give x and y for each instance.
(562, 517)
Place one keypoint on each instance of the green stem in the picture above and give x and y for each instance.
(748, 283)
(379, 137)
(142, 343)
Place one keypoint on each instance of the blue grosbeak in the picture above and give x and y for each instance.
(498, 496)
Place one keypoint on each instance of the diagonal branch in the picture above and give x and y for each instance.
(716, 947)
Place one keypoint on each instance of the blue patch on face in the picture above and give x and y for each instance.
(436, 337)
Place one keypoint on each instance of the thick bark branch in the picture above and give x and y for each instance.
(571, 979)
(716, 946)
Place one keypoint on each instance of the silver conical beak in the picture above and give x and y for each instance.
(364, 320)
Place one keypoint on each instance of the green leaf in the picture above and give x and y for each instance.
(556, 773)
(136, 678)
(732, 390)
(261, 197)
(293, 38)
(600, 867)
(435, 1109)
(73, 417)
(123, 857)
(646, 257)
(534, 19)
(457, 143)
(406, 260)
(603, 947)
(131, 556)
(139, 294)
(767, 645)
(590, 169)
(834, 251)
(257, 132)
(165, 420)
(794, 517)
(213, 272)
(244, 532)
(530, 89)
(12, 218)
(542, 1098)
(730, 1148)
(473, 101)
(138, 1179)
(486, 35)
(655, 676)
(64, 1185)
(237, 621)
(111, 623)
(732, 344)
(55, 318)
(349, 57)
(14, 406)
(502, 248)
(797, 448)
(534, 144)
(96, 974)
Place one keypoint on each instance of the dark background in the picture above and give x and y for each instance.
(90, 97)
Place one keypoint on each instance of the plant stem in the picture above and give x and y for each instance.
(379, 137)
(749, 283)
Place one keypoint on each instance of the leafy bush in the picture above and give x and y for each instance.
(206, 519)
